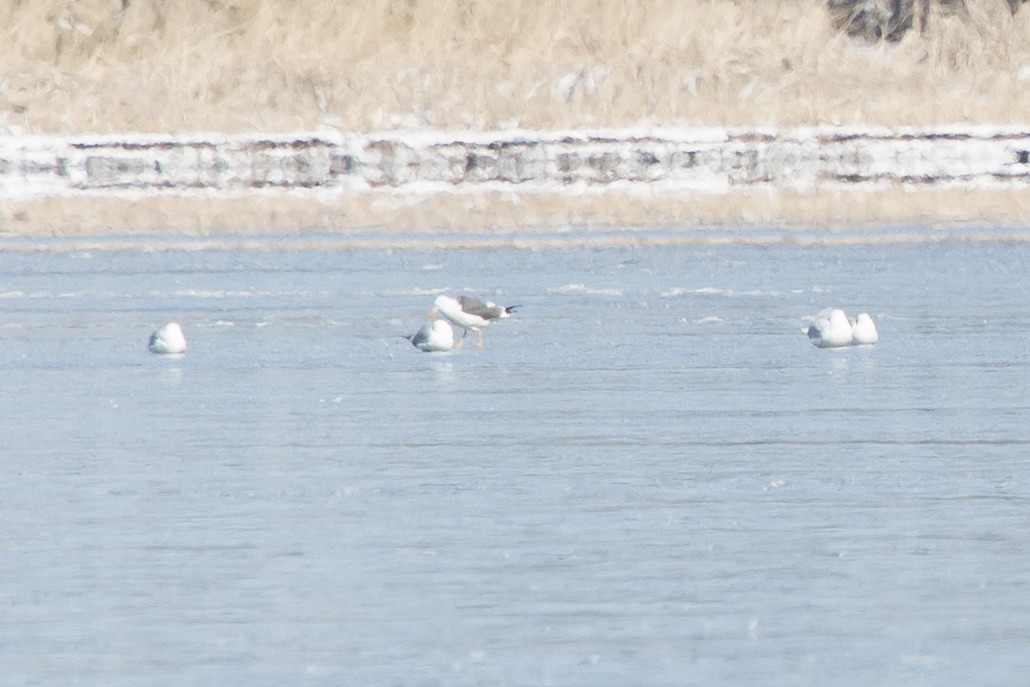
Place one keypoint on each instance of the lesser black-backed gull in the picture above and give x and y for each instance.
(470, 313)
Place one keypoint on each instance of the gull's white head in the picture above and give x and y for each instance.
(449, 308)
(442, 304)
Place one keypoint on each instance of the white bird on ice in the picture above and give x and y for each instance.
(863, 330)
(435, 337)
(168, 339)
(830, 331)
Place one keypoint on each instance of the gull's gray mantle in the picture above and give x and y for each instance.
(675, 159)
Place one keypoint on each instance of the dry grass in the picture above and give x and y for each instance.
(232, 65)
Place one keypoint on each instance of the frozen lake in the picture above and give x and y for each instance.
(647, 476)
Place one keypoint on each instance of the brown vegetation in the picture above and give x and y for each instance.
(71, 66)
(232, 65)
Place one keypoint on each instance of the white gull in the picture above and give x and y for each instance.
(830, 331)
(863, 330)
(168, 339)
(435, 337)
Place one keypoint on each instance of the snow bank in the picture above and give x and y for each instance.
(675, 159)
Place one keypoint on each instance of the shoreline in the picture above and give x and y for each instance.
(446, 184)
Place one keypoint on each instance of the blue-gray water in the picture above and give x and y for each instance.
(648, 476)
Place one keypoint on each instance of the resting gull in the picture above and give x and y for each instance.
(830, 331)
(168, 339)
(435, 337)
(863, 330)
(470, 313)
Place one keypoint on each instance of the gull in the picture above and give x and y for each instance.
(830, 331)
(469, 313)
(435, 337)
(863, 330)
(168, 339)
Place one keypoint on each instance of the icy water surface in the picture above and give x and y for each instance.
(648, 476)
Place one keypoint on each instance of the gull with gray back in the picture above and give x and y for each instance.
(470, 313)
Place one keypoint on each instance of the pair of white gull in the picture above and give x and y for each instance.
(169, 339)
(833, 329)
(464, 312)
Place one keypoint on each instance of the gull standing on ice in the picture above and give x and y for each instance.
(863, 330)
(435, 337)
(470, 313)
(830, 331)
(168, 339)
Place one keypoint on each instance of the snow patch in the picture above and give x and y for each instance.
(420, 162)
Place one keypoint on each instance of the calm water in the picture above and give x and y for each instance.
(646, 477)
